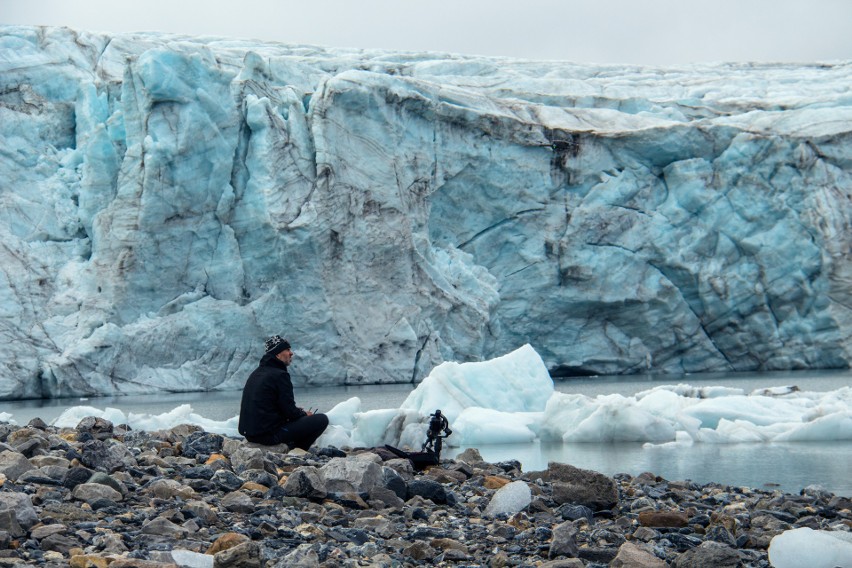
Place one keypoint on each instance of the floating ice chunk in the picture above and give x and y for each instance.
(689, 391)
(755, 409)
(612, 418)
(343, 413)
(837, 426)
(182, 414)
(775, 391)
(372, 427)
(336, 436)
(815, 549)
(477, 426)
(516, 382)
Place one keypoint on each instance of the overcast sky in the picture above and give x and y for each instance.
(651, 32)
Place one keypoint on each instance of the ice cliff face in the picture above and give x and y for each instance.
(169, 201)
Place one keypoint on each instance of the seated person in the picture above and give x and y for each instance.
(268, 411)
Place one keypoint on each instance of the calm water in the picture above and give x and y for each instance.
(789, 467)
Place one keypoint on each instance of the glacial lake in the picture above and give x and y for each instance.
(785, 466)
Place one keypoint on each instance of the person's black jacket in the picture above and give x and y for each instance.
(268, 402)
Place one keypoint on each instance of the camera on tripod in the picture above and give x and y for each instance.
(437, 424)
(430, 454)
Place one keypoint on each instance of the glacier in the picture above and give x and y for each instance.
(168, 201)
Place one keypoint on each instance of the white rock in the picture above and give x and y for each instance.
(816, 549)
(510, 499)
(190, 559)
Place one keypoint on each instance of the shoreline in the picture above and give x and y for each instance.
(100, 494)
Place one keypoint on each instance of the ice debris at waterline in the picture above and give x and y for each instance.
(165, 196)
(511, 399)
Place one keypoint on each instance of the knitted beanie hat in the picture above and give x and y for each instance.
(276, 345)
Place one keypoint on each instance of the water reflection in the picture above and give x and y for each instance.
(789, 466)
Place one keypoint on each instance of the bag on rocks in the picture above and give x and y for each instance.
(419, 460)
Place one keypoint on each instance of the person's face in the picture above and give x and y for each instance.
(285, 356)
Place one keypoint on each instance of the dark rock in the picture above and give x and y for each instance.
(419, 551)
(100, 456)
(305, 482)
(564, 541)
(75, 476)
(331, 452)
(599, 555)
(199, 472)
(275, 493)
(707, 554)
(683, 542)
(109, 481)
(579, 486)
(103, 503)
(462, 468)
(701, 519)
(227, 480)
(510, 466)
(632, 556)
(350, 500)
(22, 505)
(202, 443)
(387, 497)
(59, 543)
(37, 476)
(575, 513)
(427, 489)
(13, 464)
(245, 458)
(9, 523)
(393, 481)
(31, 447)
(37, 423)
(719, 533)
(97, 428)
(259, 476)
(243, 555)
(238, 502)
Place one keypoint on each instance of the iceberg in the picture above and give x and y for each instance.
(168, 201)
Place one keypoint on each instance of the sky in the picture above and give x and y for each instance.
(644, 32)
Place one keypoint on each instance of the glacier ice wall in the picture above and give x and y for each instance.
(168, 201)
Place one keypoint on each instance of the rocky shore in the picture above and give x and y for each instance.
(102, 495)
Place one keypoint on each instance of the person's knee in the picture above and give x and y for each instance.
(323, 420)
